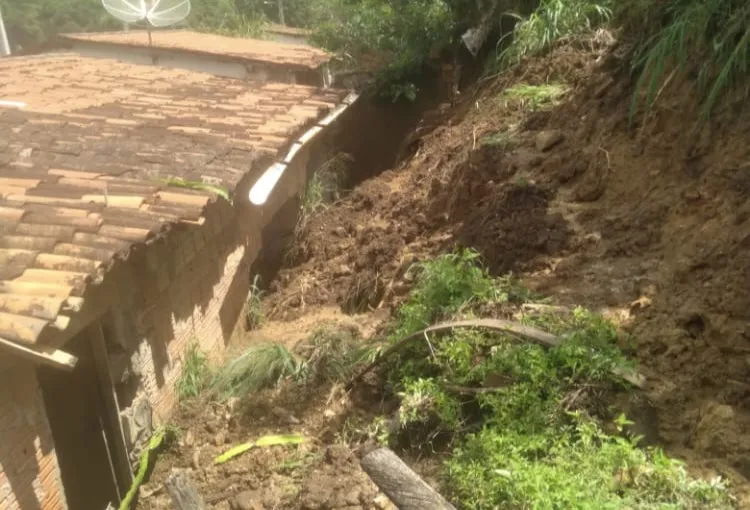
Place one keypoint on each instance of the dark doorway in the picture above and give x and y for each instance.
(77, 417)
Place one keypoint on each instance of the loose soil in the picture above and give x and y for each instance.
(646, 221)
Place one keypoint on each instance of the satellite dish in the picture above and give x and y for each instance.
(157, 13)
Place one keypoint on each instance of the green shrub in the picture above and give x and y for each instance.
(537, 414)
(445, 285)
(550, 22)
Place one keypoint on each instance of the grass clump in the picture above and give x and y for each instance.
(254, 315)
(332, 353)
(260, 366)
(196, 374)
(710, 38)
(551, 21)
(528, 426)
(534, 97)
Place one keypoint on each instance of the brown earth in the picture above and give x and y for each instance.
(647, 222)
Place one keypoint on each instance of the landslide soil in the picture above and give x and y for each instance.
(645, 219)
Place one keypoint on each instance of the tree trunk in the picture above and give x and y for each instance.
(183, 492)
(402, 485)
(282, 18)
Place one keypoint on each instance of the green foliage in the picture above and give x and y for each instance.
(446, 284)
(710, 37)
(550, 22)
(313, 198)
(537, 441)
(34, 23)
(576, 466)
(254, 315)
(196, 374)
(534, 97)
(179, 182)
(260, 366)
(332, 354)
(31, 23)
(400, 34)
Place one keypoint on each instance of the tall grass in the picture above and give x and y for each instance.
(709, 37)
(260, 366)
(550, 22)
(196, 374)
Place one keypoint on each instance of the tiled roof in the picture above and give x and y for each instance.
(249, 50)
(80, 166)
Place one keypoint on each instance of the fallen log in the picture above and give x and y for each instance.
(403, 486)
(514, 329)
(183, 492)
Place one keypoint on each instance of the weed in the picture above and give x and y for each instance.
(332, 354)
(196, 374)
(711, 37)
(313, 199)
(534, 97)
(254, 315)
(197, 185)
(260, 366)
(550, 22)
(504, 139)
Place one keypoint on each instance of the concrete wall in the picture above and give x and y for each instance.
(246, 71)
(29, 474)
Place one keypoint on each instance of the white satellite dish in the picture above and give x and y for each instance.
(157, 13)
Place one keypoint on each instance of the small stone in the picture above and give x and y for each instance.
(246, 500)
(343, 270)
(340, 231)
(545, 140)
(382, 502)
(220, 438)
(285, 416)
(189, 438)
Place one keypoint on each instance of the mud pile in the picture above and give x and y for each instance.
(646, 219)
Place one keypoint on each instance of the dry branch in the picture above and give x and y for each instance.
(514, 329)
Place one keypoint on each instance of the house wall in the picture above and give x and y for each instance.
(29, 474)
(189, 287)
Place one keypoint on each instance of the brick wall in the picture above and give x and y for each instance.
(29, 475)
(191, 287)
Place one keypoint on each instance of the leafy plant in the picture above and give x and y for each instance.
(551, 21)
(196, 374)
(445, 285)
(265, 441)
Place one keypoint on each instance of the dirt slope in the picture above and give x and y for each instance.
(648, 222)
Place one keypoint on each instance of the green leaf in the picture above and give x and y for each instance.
(265, 441)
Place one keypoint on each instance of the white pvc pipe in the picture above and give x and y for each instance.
(4, 44)
(12, 104)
